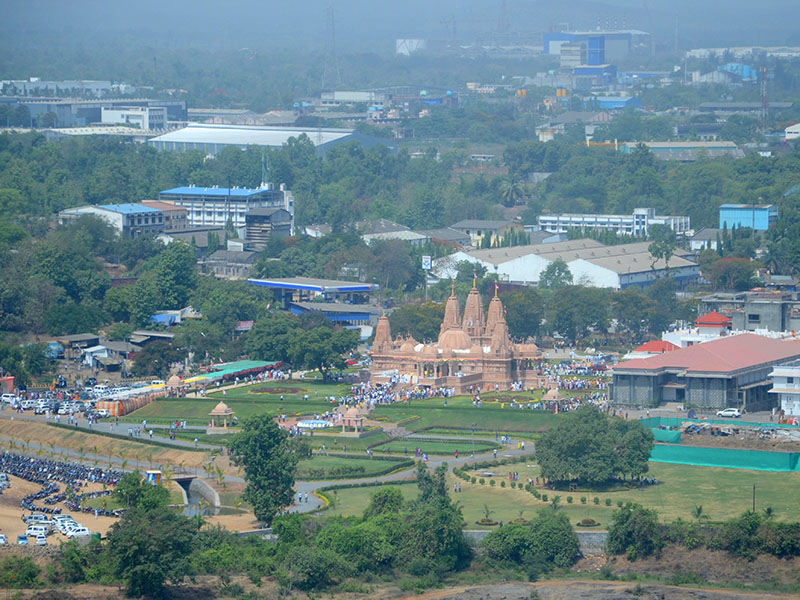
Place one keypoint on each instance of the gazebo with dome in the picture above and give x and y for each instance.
(222, 412)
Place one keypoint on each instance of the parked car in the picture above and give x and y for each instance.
(41, 540)
(36, 530)
(8, 398)
(78, 532)
(3, 539)
(729, 412)
(22, 539)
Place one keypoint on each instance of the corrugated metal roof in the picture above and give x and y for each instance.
(129, 209)
(244, 135)
(720, 356)
(191, 190)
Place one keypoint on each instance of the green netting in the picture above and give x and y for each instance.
(724, 457)
(666, 435)
(676, 422)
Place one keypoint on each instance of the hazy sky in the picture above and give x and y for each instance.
(361, 23)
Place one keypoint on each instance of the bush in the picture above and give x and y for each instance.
(596, 500)
(608, 501)
(308, 568)
(544, 497)
(492, 482)
(583, 499)
(619, 503)
(535, 493)
(635, 532)
(18, 572)
(513, 485)
(472, 480)
(569, 499)
(547, 541)
(503, 484)
(482, 481)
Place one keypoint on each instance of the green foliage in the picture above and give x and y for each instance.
(635, 532)
(133, 492)
(548, 539)
(421, 321)
(269, 460)
(574, 311)
(386, 500)
(556, 275)
(150, 547)
(524, 312)
(589, 447)
(18, 572)
(155, 359)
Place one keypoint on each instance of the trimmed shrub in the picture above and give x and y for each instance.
(583, 499)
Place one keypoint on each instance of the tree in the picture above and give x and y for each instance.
(149, 547)
(733, 274)
(662, 246)
(575, 310)
(421, 321)
(134, 492)
(547, 541)
(586, 447)
(633, 311)
(524, 312)
(635, 531)
(155, 359)
(269, 460)
(322, 348)
(556, 275)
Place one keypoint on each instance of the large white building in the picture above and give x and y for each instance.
(211, 138)
(131, 220)
(637, 224)
(143, 117)
(215, 206)
(786, 386)
(590, 262)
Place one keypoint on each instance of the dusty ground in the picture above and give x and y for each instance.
(207, 588)
(715, 567)
(11, 514)
(584, 590)
(741, 442)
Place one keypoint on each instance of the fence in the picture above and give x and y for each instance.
(757, 460)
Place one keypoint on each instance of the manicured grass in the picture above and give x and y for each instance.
(723, 494)
(351, 502)
(244, 401)
(462, 415)
(341, 467)
(337, 443)
(437, 447)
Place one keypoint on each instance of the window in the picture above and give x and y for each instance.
(790, 380)
(753, 318)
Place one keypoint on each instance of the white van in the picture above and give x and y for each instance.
(28, 404)
(100, 390)
(8, 398)
(78, 532)
(36, 530)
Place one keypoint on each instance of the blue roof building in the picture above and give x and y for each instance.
(131, 220)
(759, 217)
(129, 209)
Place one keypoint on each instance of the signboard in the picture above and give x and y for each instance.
(426, 263)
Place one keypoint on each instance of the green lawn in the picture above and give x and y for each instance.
(437, 447)
(723, 493)
(244, 401)
(341, 467)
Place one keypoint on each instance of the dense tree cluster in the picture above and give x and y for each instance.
(589, 447)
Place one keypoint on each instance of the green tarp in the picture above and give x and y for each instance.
(665, 435)
(724, 457)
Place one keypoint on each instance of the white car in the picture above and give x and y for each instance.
(41, 540)
(36, 530)
(78, 532)
(729, 412)
(8, 398)
(28, 404)
(3, 539)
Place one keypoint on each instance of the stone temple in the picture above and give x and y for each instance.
(473, 352)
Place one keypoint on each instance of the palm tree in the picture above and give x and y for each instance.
(698, 514)
(511, 191)
(769, 512)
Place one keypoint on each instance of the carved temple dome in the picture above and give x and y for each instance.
(454, 339)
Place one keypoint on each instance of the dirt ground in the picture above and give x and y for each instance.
(740, 442)
(11, 514)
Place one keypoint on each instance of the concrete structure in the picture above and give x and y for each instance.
(572, 54)
(359, 317)
(479, 229)
(262, 224)
(351, 97)
(79, 112)
(215, 206)
(228, 264)
(792, 132)
(637, 224)
(685, 151)
(601, 46)
(786, 387)
(307, 289)
(131, 220)
(748, 311)
(211, 138)
(175, 217)
(755, 216)
(471, 353)
(705, 238)
(729, 372)
(742, 107)
(143, 117)
(589, 261)
(35, 86)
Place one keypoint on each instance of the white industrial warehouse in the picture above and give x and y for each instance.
(590, 262)
(211, 138)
